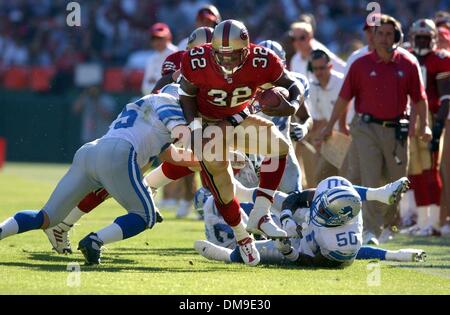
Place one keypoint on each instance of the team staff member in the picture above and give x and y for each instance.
(380, 82)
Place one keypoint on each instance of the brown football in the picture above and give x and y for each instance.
(272, 97)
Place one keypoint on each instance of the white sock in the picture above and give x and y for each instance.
(243, 193)
(110, 234)
(261, 207)
(434, 212)
(8, 227)
(278, 200)
(240, 232)
(377, 194)
(73, 217)
(157, 179)
(422, 216)
(391, 255)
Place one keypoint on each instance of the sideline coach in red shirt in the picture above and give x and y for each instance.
(380, 82)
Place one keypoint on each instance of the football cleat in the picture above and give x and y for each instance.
(396, 189)
(249, 252)
(212, 251)
(159, 216)
(370, 239)
(59, 238)
(408, 255)
(265, 226)
(91, 247)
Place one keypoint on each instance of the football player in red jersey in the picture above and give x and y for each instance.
(171, 66)
(218, 81)
(435, 65)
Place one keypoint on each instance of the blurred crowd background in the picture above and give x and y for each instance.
(34, 32)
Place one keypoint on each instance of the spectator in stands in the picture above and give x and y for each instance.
(97, 110)
(208, 16)
(303, 40)
(381, 82)
(324, 91)
(162, 44)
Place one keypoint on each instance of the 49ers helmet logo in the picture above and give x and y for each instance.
(244, 34)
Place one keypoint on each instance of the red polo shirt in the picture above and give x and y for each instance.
(381, 88)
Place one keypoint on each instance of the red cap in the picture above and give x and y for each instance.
(161, 30)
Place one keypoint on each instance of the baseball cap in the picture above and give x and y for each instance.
(160, 30)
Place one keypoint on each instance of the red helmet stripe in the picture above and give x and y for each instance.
(209, 35)
(226, 34)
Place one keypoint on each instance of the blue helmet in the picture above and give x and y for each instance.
(336, 206)
(171, 89)
(275, 47)
(200, 198)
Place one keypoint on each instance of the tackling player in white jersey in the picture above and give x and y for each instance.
(140, 132)
(326, 228)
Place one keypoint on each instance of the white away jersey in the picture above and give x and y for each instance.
(147, 124)
(340, 243)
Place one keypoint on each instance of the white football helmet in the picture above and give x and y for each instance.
(230, 44)
(423, 27)
(200, 36)
(335, 206)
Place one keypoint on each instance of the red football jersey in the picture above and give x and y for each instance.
(220, 96)
(172, 62)
(432, 64)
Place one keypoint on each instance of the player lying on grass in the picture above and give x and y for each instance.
(141, 132)
(325, 225)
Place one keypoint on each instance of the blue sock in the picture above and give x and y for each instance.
(28, 220)
(235, 256)
(368, 252)
(254, 195)
(362, 191)
(131, 224)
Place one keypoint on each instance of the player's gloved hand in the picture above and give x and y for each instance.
(285, 248)
(288, 223)
(436, 139)
(298, 131)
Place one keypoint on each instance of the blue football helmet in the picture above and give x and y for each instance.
(200, 198)
(274, 47)
(336, 206)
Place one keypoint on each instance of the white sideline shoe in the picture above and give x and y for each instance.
(445, 230)
(408, 255)
(249, 252)
(265, 226)
(395, 190)
(59, 238)
(212, 251)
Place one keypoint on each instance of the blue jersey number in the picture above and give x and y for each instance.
(126, 119)
(334, 182)
(344, 240)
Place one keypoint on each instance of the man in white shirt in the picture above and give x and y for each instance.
(325, 89)
(163, 47)
(302, 37)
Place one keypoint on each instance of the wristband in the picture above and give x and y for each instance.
(194, 125)
(236, 119)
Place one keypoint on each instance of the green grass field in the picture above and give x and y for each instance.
(163, 261)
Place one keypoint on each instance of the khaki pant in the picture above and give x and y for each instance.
(266, 140)
(375, 146)
(445, 173)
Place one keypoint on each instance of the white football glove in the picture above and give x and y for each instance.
(285, 248)
(288, 223)
(298, 131)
